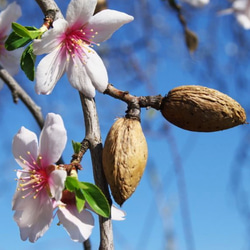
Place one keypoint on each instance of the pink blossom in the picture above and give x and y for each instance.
(79, 226)
(40, 182)
(9, 60)
(69, 47)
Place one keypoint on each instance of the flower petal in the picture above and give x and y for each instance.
(49, 71)
(106, 22)
(7, 16)
(243, 20)
(9, 60)
(78, 77)
(33, 216)
(117, 214)
(97, 71)
(52, 139)
(25, 145)
(56, 183)
(78, 225)
(51, 38)
(79, 12)
(197, 3)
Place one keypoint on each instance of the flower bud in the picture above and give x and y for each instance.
(124, 157)
(201, 109)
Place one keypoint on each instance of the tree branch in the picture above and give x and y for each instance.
(19, 92)
(48, 6)
(93, 135)
(143, 101)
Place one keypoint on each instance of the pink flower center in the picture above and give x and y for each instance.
(34, 179)
(78, 42)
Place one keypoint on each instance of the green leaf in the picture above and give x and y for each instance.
(89, 192)
(27, 63)
(71, 183)
(20, 30)
(95, 198)
(15, 41)
(80, 200)
(76, 146)
(28, 32)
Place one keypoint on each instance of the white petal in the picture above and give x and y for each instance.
(240, 5)
(10, 60)
(243, 20)
(106, 22)
(78, 77)
(56, 183)
(197, 3)
(49, 71)
(117, 214)
(7, 16)
(51, 38)
(78, 225)
(79, 12)
(23, 142)
(97, 71)
(31, 210)
(35, 218)
(52, 139)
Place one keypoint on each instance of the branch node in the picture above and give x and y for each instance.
(134, 110)
(49, 18)
(77, 158)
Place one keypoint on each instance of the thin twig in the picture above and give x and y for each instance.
(19, 92)
(77, 158)
(143, 101)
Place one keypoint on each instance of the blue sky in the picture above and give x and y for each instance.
(209, 162)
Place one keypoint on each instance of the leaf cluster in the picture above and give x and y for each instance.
(90, 193)
(20, 37)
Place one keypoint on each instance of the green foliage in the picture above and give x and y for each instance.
(76, 146)
(29, 32)
(90, 193)
(15, 41)
(20, 37)
(27, 62)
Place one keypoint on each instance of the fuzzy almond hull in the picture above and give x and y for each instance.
(201, 109)
(125, 155)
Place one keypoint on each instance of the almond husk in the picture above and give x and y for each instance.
(201, 109)
(124, 158)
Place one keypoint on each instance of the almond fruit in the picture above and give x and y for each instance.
(201, 109)
(124, 157)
